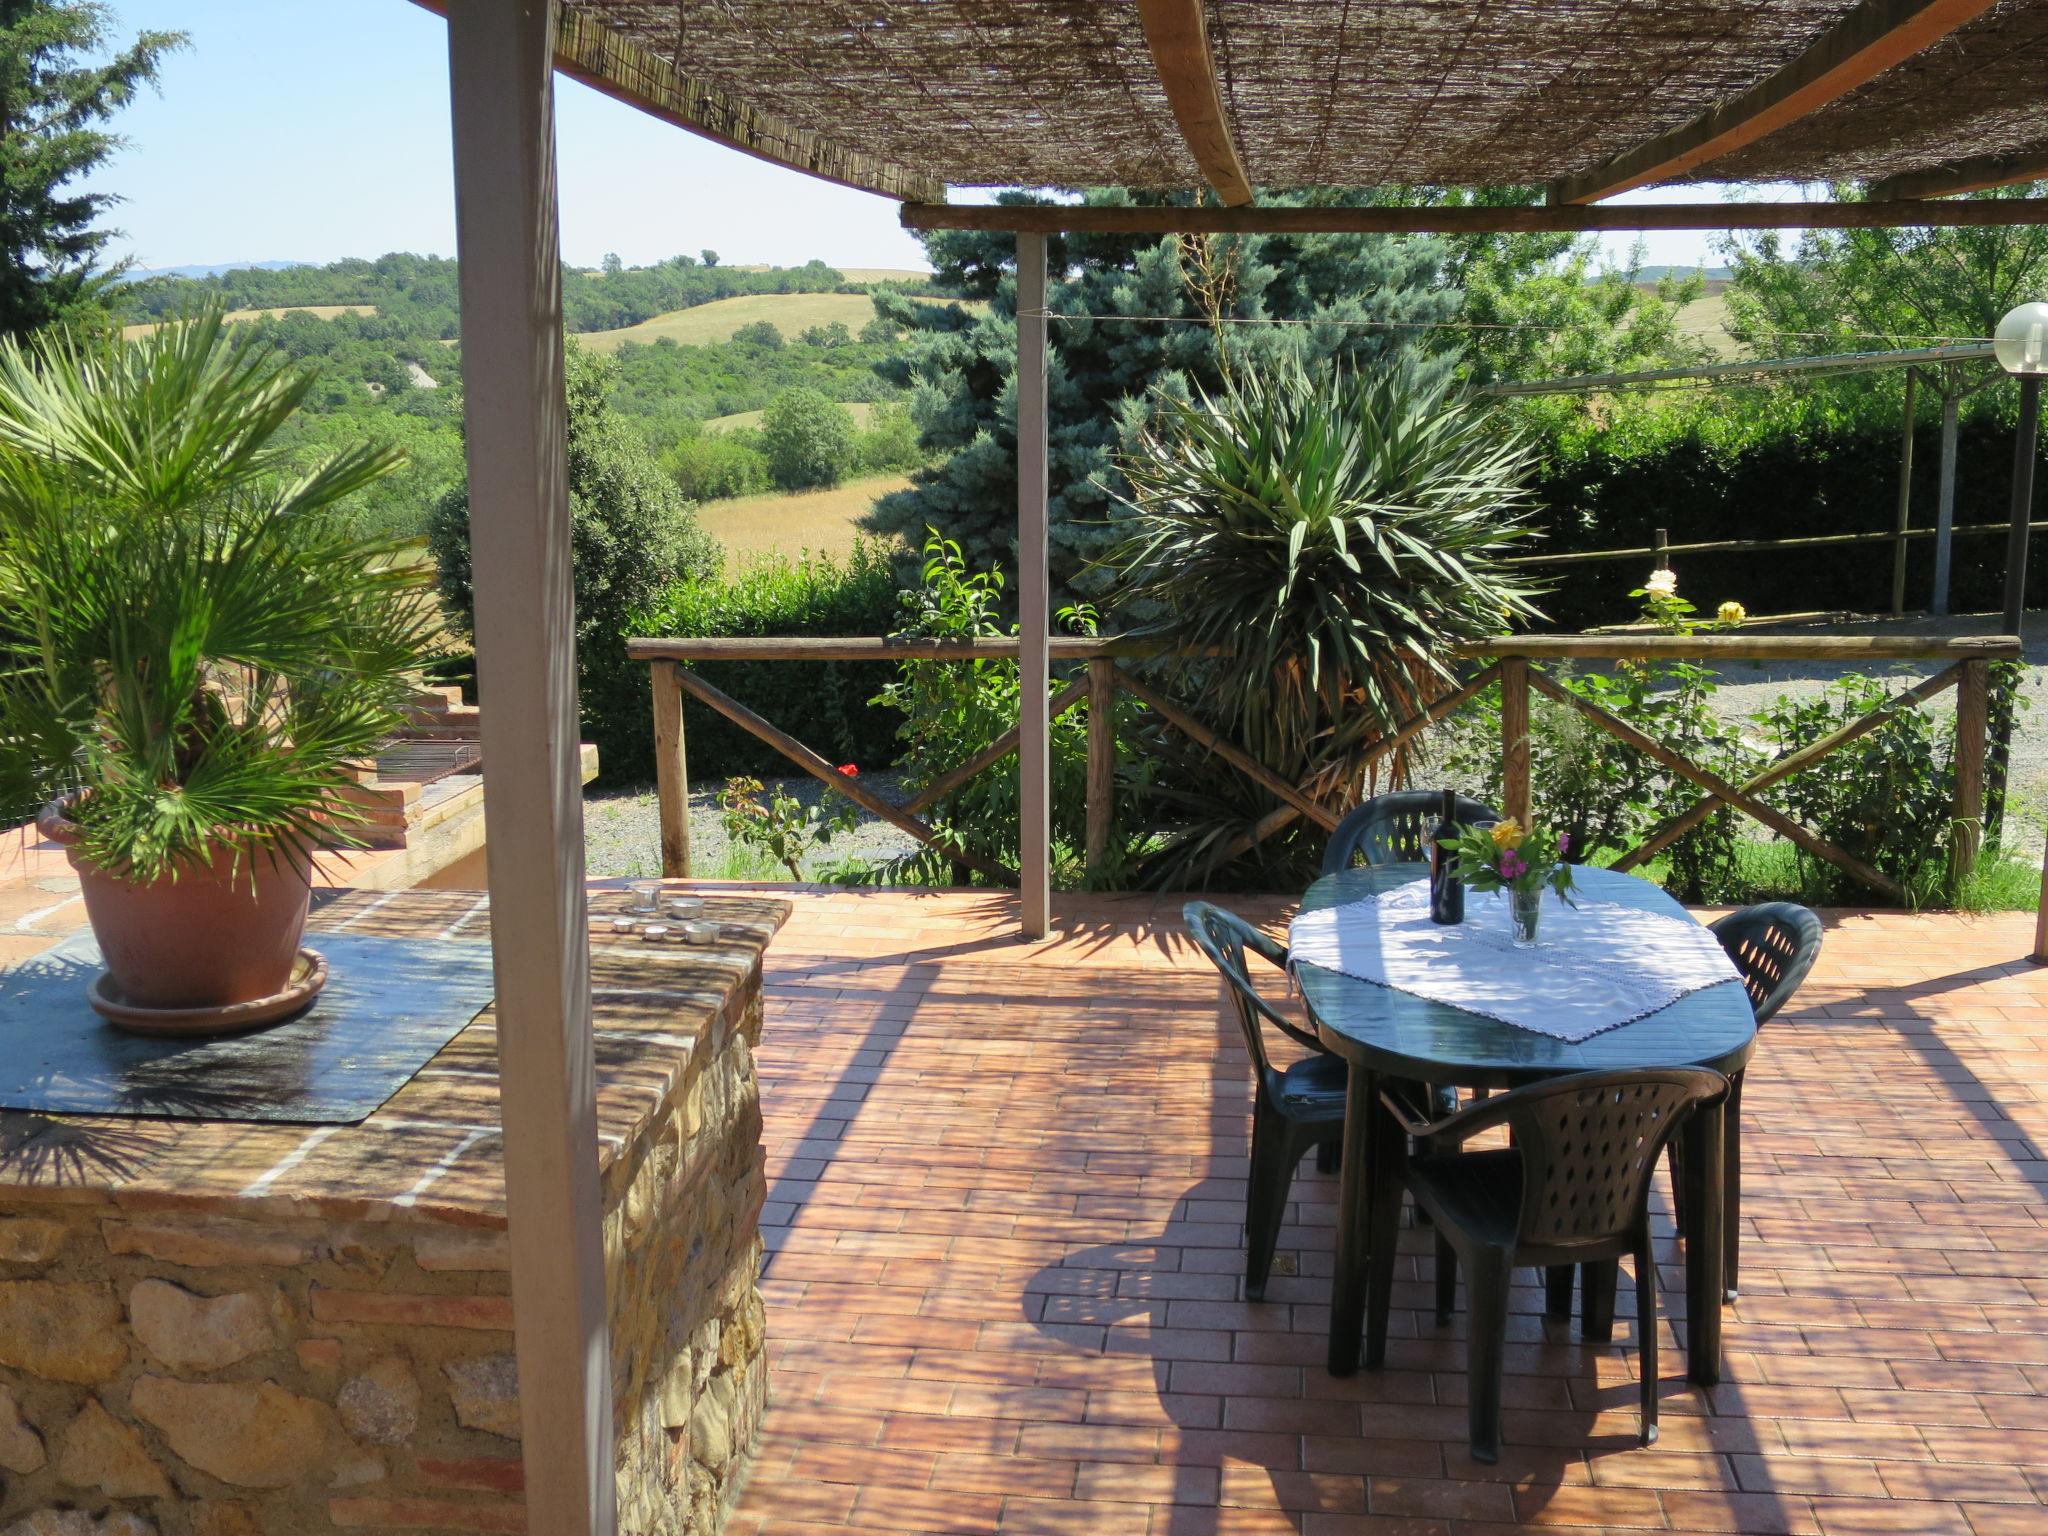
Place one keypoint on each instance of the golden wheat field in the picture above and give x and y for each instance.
(317, 311)
(1705, 319)
(703, 324)
(860, 410)
(819, 521)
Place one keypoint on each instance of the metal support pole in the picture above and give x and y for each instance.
(501, 89)
(1034, 604)
(1945, 501)
(1903, 520)
(1101, 757)
(2025, 448)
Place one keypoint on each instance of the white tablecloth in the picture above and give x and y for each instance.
(1596, 966)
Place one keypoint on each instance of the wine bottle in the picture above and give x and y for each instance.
(1446, 890)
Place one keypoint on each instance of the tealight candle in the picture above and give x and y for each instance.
(654, 933)
(700, 933)
(685, 906)
(623, 925)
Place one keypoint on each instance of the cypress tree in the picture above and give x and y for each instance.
(54, 103)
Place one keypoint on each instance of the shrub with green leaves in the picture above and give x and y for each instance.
(808, 439)
(1888, 797)
(888, 441)
(198, 638)
(1315, 545)
(632, 536)
(712, 466)
(953, 710)
(825, 703)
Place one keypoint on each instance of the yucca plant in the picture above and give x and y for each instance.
(193, 636)
(1315, 544)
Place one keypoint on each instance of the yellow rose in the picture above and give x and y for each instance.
(1507, 834)
(1733, 613)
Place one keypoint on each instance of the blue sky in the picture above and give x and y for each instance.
(315, 129)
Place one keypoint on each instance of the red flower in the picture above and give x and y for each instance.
(850, 770)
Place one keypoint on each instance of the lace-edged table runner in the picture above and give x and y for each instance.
(1596, 965)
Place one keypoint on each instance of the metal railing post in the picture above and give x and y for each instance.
(1945, 501)
(1101, 756)
(1903, 518)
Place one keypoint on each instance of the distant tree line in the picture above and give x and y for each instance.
(421, 290)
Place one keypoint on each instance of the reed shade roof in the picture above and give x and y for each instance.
(906, 97)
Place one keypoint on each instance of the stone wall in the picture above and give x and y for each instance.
(174, 1369)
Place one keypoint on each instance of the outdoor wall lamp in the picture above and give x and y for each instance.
(2021, 346)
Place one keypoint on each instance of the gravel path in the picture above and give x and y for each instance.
(622, 833)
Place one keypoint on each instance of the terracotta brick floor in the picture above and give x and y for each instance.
(1006, 1184)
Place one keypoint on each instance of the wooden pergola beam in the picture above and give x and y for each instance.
(507, 235)
(1972, 175)
(1178, 35)
(588, 51)
(1073, 218)
(1863, 45)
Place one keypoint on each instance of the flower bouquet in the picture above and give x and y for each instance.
(1521, 861)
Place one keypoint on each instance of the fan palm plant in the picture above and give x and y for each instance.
(1315, 544)
(197, 644)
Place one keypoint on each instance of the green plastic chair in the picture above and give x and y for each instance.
(1394, 828)
(1773, 945)
(1571, 1188)
(1294, 1109)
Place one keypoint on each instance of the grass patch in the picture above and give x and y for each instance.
(788, 524)
(740, 862)
(2003, 881)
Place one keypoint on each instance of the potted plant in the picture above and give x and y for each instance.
(199, 646)
(1521, 861)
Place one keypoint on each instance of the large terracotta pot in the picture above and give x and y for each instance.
(221, 933)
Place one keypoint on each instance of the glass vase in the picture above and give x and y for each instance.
(1524, 907)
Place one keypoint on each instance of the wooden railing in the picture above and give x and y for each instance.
(1506, 660)
(1968, 671)
(1097, 685)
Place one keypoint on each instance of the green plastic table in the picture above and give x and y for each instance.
(1383, 1032)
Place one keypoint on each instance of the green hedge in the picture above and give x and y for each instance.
(823, 704)
(1807, 481)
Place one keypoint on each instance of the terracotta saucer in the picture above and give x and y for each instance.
(309, 975)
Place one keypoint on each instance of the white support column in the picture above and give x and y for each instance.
(1034, 605)
(501, 79)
